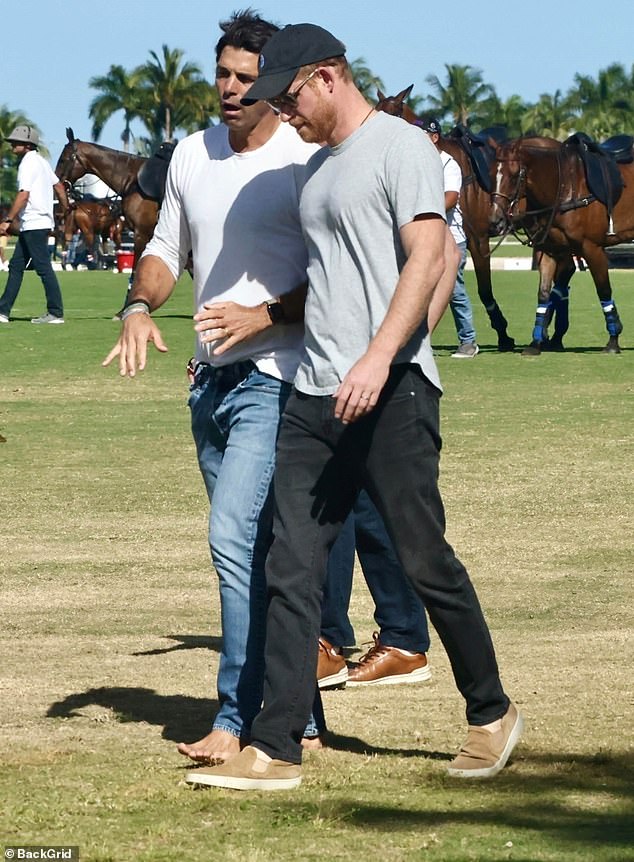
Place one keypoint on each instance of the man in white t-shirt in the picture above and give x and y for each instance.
(459, 303)
(34, 206)
(232, 198)
(364, 411)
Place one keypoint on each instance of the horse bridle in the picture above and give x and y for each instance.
(519, 194)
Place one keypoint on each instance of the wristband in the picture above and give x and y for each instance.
(275, 310)
(139, 307)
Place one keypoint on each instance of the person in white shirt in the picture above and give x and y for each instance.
(34, 205)
(232, 198)
(459, 303)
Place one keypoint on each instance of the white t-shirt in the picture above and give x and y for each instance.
(452, 176)
(239, 214)
(36, 177)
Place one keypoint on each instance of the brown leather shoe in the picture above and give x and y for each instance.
(332, 670)
(385, 665)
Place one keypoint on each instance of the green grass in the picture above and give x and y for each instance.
(110, 628)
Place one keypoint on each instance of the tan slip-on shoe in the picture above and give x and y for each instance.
(484, 754)
(249, 771)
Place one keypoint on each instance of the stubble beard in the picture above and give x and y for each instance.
(321, 124)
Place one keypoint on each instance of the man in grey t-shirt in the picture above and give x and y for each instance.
(364, 410)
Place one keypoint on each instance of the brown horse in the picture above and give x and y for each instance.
(474, 203)
(541, 187)
(98, 221)
(119, 171)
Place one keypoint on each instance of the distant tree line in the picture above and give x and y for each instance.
(169, 96)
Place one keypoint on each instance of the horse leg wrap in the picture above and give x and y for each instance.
(498, 321)
(560, 301)
(542, 319)
(612, 320)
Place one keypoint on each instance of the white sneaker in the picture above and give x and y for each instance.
(4, 318)
(466, 351)
(47, 318)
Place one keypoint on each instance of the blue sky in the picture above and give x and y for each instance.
(50, 48)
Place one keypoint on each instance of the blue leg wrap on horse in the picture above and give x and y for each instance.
(612, 319)
(542, 319)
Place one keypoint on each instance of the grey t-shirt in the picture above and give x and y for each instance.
(356, 197)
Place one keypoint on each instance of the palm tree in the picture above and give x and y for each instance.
(174, 95)
(513, 110)
(551, 117)
(365, 79)
(605, 106)
(462, 96)
(119, 92)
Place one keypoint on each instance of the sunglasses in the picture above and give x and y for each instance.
(288, 101)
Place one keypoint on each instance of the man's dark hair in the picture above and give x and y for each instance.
(245, 29)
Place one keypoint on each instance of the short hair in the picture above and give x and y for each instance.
(245, 29)
(339, 63)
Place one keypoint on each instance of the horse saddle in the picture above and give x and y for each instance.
(620, 147)
(600, 166)
(153, 173)
(480, 152)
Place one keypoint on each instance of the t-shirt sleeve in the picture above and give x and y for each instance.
(171, 240)
(414, 176)
(453, 176)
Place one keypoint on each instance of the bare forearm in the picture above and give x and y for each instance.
(153, 282)
(62, 197)
(446, 284)
(425, 245)
(230, 323)
(19, 202)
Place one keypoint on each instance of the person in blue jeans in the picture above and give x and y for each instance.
(33, 204)
(459, 303)
(399, 653)
(232, 198)
(364, 410)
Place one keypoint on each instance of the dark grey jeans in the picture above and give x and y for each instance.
(321, 465)
(32, 245)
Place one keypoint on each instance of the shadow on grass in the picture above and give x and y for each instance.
(187, 718)
(571, 800)
(184, 719)
(519, 346)
(185, 642)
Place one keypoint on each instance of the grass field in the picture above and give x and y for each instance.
(110, 626)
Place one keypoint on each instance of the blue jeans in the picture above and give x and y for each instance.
(460, 303)
(393, 453)
(235, 413)
(32, 245)
(398, 612)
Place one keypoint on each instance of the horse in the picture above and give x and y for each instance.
(541, 186)
(98, 221)
(120, 172)
(474, 203)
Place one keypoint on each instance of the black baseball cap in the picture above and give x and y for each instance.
(430, 124)
(289, 49)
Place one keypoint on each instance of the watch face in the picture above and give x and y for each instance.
(276, 312)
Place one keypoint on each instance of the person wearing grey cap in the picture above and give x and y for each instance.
(364, 408)
(34, 206)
